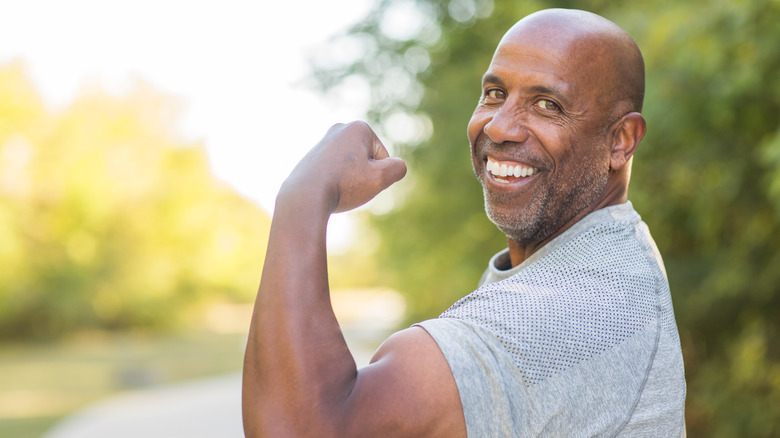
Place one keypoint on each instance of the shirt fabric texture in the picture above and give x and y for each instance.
(578, 340)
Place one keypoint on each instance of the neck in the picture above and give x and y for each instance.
(519, 251)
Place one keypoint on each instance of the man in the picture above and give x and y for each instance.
(572, 332)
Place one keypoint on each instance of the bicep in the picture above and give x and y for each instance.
(407, 390)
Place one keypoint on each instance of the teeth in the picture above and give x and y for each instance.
(504, 170)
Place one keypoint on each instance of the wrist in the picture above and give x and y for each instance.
(306, 200)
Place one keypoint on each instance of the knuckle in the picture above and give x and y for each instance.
(361, 126)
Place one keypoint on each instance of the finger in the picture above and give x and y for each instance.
(379, 150)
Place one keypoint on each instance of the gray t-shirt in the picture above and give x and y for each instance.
(578, 340)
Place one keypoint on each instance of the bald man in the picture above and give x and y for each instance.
(571, 332)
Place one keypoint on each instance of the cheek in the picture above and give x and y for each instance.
(477, 123)
(585, 162)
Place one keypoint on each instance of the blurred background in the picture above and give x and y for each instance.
(142, 144)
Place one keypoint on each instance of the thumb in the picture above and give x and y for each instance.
(390, 170)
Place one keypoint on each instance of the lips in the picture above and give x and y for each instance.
(508, 171)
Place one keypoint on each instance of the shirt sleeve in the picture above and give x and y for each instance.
(594, 398)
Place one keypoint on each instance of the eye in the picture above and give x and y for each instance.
(495, 93)
(547, 105)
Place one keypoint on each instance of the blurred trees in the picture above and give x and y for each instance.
(108, 220)
(706, 178)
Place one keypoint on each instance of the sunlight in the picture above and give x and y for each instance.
(237, 65)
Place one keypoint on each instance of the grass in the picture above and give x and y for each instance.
(40, 384)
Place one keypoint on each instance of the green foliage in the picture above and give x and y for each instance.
(706, 178)
(108, 220)
(706, 182)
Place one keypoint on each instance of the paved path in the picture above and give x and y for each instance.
(209, 408)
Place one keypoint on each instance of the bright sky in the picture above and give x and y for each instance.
(236, 64)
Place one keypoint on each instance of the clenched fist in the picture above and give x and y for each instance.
(347, 168)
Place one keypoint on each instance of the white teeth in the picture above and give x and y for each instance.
(504, 170)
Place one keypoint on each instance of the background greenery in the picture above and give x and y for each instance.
(123, 262)
(706, 178)
(108, 220)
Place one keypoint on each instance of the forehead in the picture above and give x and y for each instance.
(525, 64)
(541, 57)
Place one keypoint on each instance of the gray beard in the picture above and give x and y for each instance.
(545, 215)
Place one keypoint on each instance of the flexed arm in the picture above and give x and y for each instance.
(299, 376)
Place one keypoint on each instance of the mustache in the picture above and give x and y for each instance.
(484, 142)
(519, 152)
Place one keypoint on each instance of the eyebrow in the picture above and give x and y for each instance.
(491, 78)
(546, 90)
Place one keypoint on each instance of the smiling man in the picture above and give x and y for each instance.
(571, 332)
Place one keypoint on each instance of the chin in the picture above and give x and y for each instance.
(521, 225)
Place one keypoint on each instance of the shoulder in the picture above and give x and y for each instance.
(407, 390)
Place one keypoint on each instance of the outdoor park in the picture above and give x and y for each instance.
(127, 264)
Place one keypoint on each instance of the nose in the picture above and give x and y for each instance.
(506, 125)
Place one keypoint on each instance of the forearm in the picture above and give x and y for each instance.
(299, 375)
(297, 364)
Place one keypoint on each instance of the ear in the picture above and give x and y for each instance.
(626, 135)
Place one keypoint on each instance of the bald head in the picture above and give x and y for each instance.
(597, 48)
(560, 97)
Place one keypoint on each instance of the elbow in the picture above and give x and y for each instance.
(273, 418)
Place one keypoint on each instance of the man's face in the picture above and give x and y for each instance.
(538, 138)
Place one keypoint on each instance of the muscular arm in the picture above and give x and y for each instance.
(299, 376)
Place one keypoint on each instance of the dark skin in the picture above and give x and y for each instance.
(539, 110)
(299, 376)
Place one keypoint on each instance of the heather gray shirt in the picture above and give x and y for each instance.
(578, 340)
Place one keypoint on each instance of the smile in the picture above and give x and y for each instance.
(508, 169)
